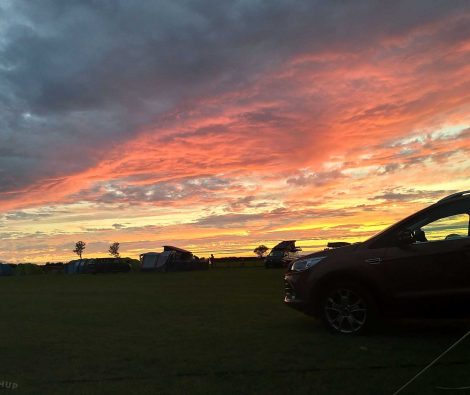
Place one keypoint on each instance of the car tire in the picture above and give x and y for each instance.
(348, 309)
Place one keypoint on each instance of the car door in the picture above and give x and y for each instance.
(437, 266)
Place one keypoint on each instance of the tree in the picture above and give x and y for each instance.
(114, 250)
(260, 250)
(79, 247)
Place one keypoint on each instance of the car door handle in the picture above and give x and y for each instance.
(373, 261)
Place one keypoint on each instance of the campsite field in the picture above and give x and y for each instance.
(223, 331)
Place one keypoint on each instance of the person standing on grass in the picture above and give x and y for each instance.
(211, 261)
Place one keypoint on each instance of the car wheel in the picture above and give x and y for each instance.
(348, 309)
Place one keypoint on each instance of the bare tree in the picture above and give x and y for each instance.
(114, 250)
(260, 250)
(79, 248)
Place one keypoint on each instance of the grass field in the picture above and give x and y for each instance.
(223, 331)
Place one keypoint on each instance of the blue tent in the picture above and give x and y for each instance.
(5, 270)
(78, 266)
(72, 267)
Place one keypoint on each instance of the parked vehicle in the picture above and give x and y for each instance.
(419, 266)
(282, 254)
(172, 259)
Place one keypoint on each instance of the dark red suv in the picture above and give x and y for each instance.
(419, 266)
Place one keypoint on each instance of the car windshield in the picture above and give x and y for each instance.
(277, 253)
(404, 220)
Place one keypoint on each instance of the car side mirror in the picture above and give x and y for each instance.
(405, 237)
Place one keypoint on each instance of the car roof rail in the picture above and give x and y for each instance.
(454, 196)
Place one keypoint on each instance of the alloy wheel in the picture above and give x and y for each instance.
(345, 311)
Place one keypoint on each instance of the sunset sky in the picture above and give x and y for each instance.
(217, 126)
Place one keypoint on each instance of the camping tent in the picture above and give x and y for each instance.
(171, 259)
(98, 265)
(5, 269)
(76, 266)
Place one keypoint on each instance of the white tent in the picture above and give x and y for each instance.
(155, 260)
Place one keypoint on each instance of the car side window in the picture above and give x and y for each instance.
(447, 228)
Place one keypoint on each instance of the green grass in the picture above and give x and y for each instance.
(215, 332)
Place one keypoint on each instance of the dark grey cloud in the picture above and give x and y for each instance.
(409, 194)
(316, 179)
(97, 229)
(37, 215)
(161, 192)
(249, 201)
(277, 216)
(79, 77)
(267, 117)
(21, 215)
